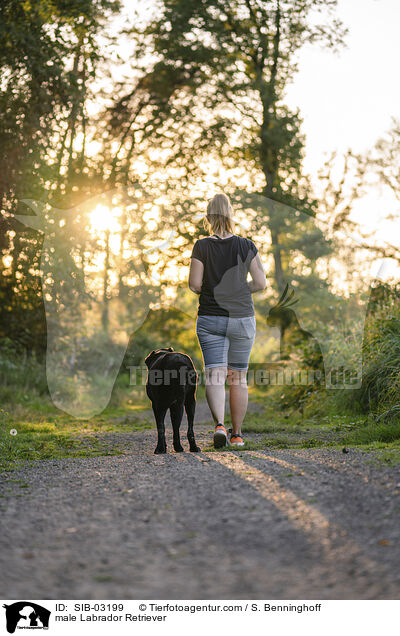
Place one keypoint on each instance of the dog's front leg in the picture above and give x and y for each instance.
(159, 414)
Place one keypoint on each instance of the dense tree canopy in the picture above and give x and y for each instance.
(203, 91)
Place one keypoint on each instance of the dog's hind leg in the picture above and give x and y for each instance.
(190, 407)
(176, 411)
(159, 414)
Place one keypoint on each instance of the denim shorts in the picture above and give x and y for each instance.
(226, 341)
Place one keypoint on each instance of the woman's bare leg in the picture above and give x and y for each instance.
(215, 392)
(238, 398)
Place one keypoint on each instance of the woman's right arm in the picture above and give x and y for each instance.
(258, 278)
(196, 275)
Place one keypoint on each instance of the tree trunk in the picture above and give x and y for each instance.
(105, 315)
(269, 161)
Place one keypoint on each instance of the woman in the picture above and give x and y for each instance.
(226, 324)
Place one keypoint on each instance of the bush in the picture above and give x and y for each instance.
(20, 372)
(380, 390)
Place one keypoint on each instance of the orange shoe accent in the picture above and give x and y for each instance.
(236, 440)
(220, 436)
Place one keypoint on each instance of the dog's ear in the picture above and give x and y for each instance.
(149, 359)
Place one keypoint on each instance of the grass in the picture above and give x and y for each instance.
(35, 429)
(318, 424)
(46, 442)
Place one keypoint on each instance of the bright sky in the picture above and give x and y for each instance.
(347, 100)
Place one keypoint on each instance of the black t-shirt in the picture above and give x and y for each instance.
(225, 291)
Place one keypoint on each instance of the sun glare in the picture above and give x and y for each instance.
(105, 219)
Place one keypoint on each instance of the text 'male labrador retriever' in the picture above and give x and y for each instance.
(171, 384)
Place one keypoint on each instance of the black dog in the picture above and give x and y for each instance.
(171, 384)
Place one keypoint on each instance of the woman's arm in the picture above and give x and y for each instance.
(258, 279)
(196, 275)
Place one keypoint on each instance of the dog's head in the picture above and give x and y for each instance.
(154, 355)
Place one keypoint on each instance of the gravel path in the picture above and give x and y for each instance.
(295, 524)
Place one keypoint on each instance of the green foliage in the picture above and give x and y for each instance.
(20, 373)
(216, 90)
(164, 327)
(379, 394)
(48, 53)
(380, 391)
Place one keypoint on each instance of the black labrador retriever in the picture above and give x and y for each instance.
(171, 384)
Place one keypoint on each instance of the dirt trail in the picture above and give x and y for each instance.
(298, 524)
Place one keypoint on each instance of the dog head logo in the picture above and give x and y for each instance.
(26, 615)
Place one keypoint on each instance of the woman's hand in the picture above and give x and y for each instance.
(196, 275)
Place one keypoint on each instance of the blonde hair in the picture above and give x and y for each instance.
(219, 217)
